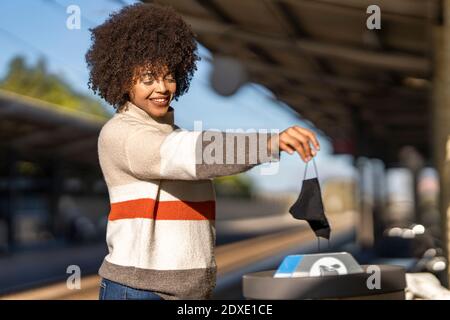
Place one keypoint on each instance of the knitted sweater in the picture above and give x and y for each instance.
(161, 226)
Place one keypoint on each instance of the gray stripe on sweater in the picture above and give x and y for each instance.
(169, 284)
(235, 153)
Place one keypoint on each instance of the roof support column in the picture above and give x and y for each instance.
(441, 118)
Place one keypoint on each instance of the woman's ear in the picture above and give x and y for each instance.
(130, 94)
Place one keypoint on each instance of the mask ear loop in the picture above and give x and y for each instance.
(306, 170)
(315, 169)
(317, 175)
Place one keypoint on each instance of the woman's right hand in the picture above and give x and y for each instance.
(298, 139)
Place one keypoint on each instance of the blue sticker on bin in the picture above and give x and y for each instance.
(288, 266)
(318, 265)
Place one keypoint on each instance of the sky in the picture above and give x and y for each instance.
(37, 29)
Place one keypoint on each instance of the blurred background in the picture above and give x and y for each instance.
(378, 100)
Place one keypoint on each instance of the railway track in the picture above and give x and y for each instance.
(229, 258)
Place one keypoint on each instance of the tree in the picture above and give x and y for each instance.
(35, 81)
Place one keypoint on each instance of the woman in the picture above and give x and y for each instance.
(161, 231)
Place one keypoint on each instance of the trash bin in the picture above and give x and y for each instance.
(390, 286)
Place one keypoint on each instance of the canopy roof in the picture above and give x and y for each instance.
(366, 89)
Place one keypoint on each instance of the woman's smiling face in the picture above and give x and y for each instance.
(153, 93)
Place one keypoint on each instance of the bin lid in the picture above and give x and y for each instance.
(262, 285)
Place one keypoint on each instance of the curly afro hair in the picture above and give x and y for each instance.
(140, 37)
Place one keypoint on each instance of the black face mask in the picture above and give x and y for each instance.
(309, 206)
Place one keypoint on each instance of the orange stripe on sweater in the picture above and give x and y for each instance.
(163, 210)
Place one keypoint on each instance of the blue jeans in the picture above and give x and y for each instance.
(110, 290)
